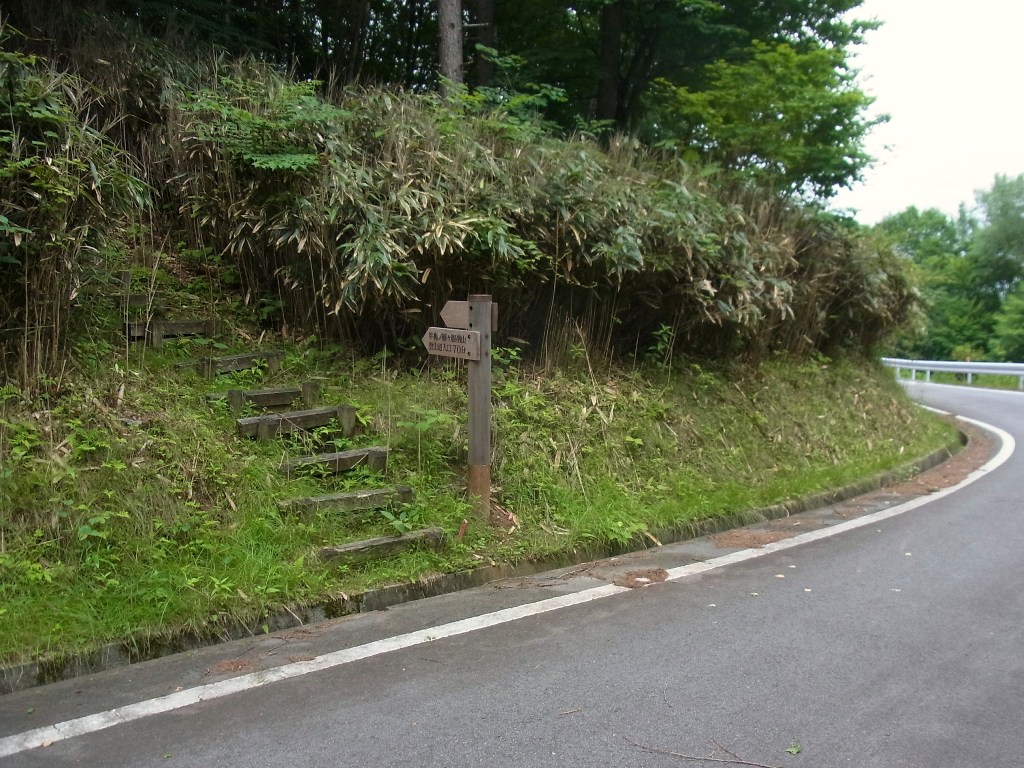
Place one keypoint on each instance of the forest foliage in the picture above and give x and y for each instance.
(970, 269)
(351, 210)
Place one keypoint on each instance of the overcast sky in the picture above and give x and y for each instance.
(951, 76)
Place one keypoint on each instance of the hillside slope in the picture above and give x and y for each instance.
(132, 504)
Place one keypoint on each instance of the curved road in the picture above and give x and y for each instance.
(896, 643)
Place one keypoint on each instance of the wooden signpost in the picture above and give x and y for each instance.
(468, 337)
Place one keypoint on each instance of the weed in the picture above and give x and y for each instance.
(660, 351)
(404, 518)
(248, 378)
(427, 419)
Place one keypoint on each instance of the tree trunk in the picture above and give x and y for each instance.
(486, 37)
(611, 62)
(449, 19)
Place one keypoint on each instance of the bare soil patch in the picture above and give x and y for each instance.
(741, 539)
(637, 579)
(228, 667)
(981, 446)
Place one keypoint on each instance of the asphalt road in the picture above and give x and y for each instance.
(896, 643)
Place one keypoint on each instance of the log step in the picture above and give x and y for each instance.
(135, 329)
(275, 424)
(211, 366)
(375, 457)
(140, 301)
(383, 546)
(351, 501)
(156, 330)
(271, 399)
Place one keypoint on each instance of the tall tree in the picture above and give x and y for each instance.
(608, 96)
(789, 114)
(486, 39)
(998, 246)
(449, 17)
(1008, 339)
(956, 325)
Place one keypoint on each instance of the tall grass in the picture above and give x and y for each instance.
(363, 211)
(65, 189)
(354, 214)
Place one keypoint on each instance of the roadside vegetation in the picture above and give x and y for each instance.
(131, 508)
(682, 336)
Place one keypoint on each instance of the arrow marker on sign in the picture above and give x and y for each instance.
(455, 314)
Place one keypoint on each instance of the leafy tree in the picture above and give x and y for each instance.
(926, 237)
(717, 65)
(790, 115)
(971, 270)
(760, 86)
(997, 249)
(956, 324)
(1008, 340)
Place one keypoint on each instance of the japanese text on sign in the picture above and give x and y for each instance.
(449, 342)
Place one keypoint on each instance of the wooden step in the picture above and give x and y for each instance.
(211, 366)
(374, 457)
(275, 424)
(383, 546)
(155, 330)
(350, 501)
(166, 329)
(136, 329)
(270, 399)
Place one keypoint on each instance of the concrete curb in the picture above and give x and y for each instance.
(143, 648)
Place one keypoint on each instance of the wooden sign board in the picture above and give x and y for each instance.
(451, 342)
(456, 314)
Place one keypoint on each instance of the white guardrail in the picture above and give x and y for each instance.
(946, 366)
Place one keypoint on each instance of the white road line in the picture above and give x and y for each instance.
(45, 736)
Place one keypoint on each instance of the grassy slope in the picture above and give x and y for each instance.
(129, 505)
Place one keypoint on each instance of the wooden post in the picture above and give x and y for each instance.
(310, 393)
(480, 407)
(347, 419)
(236, 399)
(156, 334)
